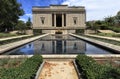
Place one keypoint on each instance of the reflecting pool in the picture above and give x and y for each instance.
(58, 44)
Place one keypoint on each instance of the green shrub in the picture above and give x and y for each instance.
(27, 70)
(37, 31)
(91, 70)
(81, 31)
(116, 29)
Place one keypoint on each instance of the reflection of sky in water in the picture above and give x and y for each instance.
(27, 49)
(92, 49)
(58, 45)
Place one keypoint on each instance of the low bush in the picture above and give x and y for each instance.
(90, 69)
(26, 70)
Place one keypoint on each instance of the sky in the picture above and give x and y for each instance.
(95, 9)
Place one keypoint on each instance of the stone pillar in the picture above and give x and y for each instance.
(54, 20)
(62, 20)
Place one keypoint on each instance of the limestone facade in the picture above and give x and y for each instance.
(59, 19)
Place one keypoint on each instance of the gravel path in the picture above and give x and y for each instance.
(58, 70)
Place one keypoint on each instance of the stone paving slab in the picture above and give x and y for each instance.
(13, 37)
(110, 38)
(10, 46)
(62, 56)
(100, 43)
(58, 70)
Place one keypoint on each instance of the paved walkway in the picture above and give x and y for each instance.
(10, 46)
(100, 43)
(13, 37)
(58, 70)
(110, 38)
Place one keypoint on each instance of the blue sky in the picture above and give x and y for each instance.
(96, 9)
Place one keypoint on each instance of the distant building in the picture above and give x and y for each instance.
(59, 19)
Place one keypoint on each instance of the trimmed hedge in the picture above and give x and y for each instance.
(90, 69)
(26, 70)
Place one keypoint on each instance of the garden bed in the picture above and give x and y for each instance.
(3, 35)
(108, 34)
(90, 69)
(25, 70)
(105, 40)
(14, 40)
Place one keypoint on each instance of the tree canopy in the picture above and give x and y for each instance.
(111, 22)
(10, 10)
(28, 23)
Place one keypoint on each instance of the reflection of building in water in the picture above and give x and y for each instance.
(60, 46)
(76, 47)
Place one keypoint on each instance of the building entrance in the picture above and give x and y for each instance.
(58, 20)
(58, 32)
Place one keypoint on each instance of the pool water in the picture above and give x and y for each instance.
(58, 44)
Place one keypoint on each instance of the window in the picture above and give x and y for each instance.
(75, 20)
(42, 20)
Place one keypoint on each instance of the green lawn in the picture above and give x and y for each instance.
(3, 35)
(105, 40)
(109, 34)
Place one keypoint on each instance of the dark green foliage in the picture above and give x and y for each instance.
(116, 29)
(91, 70)
(37, 31)
(109, 23)
(27, 70)
(10, 10)
(20, 26)
(81, 31)
(28, 23)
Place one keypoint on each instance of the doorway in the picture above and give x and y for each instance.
(58, 20)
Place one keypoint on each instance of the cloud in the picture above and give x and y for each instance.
(22, 19)
(28, 15)
(97, 9)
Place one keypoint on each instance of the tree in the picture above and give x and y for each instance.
(117, 17)
(10, 10)
(28, 23)
(21, 26)
(110, 21)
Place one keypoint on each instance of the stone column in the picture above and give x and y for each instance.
(62, 20)
(54, 20)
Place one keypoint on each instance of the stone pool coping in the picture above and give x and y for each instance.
(59, 56)
(99, 43)
(7, 47)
